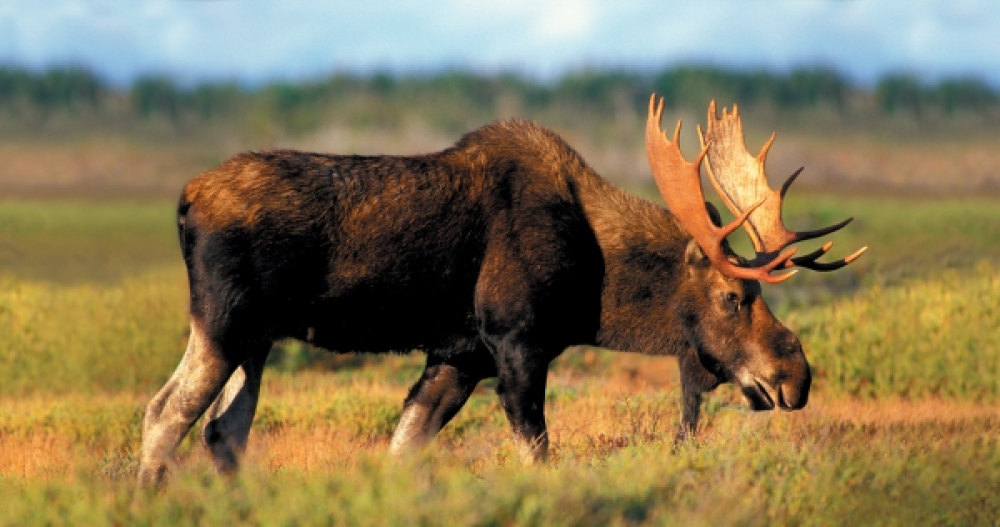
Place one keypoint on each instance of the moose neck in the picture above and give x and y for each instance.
(642, 304)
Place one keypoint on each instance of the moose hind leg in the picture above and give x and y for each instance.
(228, 420)
(187, 394)
(439, 394)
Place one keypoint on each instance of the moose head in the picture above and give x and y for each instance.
(753, 349)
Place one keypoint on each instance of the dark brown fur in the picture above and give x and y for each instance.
(492, 256)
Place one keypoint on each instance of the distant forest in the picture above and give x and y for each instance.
(73, 98)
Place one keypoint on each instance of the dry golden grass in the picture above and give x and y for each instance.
(37, 456)
(894, 412)
(56, 436)
(303, 426)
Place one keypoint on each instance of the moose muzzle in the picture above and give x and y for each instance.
(781, 379)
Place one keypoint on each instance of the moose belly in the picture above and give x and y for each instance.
(373, 321)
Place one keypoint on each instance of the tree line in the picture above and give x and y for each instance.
(451, 99)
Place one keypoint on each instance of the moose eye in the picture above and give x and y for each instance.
(732, 301)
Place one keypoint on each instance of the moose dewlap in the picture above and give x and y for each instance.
(492, 257)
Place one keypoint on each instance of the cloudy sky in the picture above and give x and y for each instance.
(256, 40)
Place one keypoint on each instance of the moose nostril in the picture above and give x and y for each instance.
(788, 344)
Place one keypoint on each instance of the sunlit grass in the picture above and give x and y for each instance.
(89, 337)
(935, 337)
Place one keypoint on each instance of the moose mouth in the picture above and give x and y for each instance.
(762, 396)
(757, 396)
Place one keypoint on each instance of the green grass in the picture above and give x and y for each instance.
(89, 337)
(85, 241)
(933, 337)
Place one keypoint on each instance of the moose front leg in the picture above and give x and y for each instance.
(695, 380)
(690, 412)
(521, 388)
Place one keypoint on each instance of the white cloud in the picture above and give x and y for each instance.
(257, 39)
(564, 20)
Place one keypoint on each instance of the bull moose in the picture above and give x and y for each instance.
(492, 256)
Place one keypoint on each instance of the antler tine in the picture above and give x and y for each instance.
(805, 259)
(740, 179)
(788, 182)
(810, 263)
(762, 156)
(808, 235)
(679, 181)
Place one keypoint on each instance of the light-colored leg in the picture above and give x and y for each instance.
(413, 430)
(169, 415)
(228, 420)
(439, 394)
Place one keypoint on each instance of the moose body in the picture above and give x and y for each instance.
(492, 256)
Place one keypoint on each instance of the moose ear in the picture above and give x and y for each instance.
(693, 255)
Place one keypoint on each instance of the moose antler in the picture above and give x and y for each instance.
(679, 182)
(739, 179)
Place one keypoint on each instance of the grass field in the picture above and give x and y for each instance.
(901, 428)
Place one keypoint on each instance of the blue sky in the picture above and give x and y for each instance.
(258, 40)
